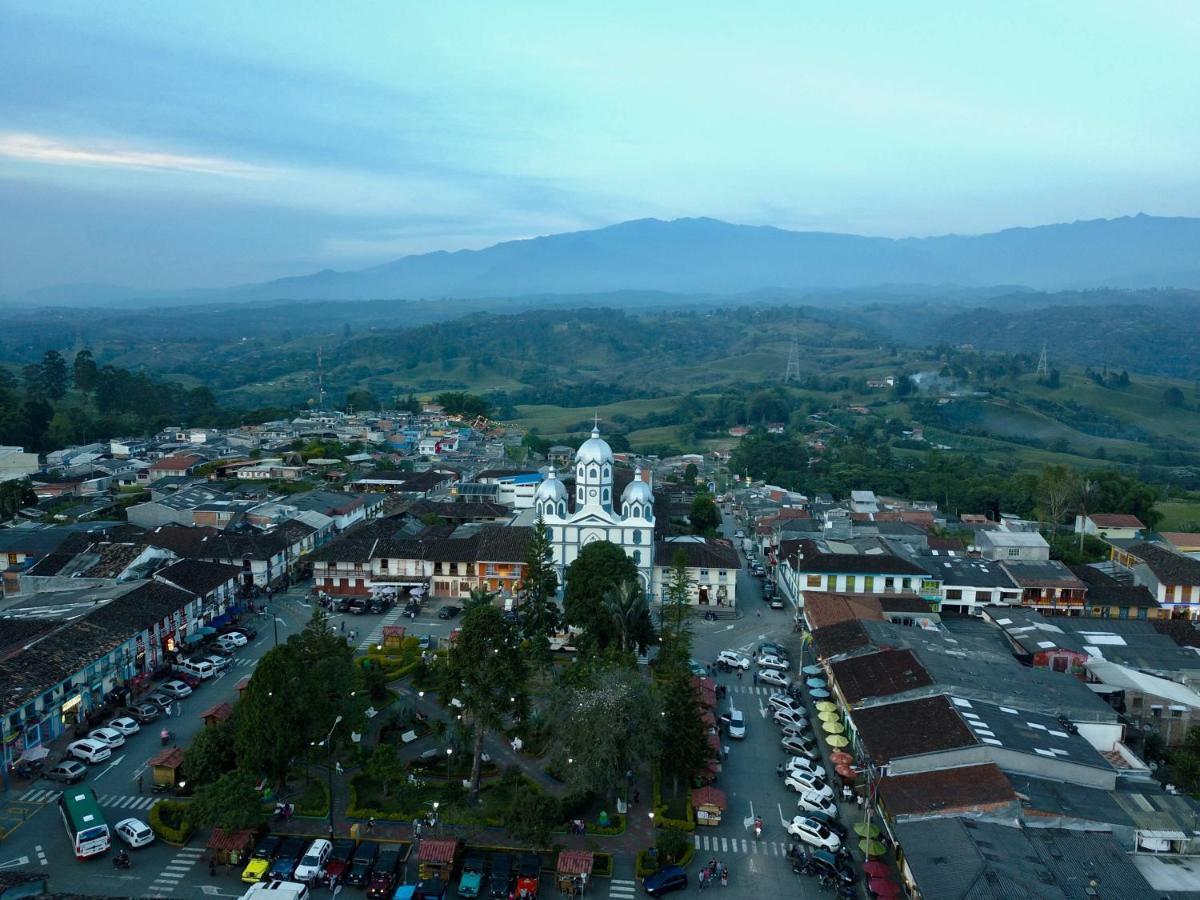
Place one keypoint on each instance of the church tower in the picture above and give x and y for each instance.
(594, 474)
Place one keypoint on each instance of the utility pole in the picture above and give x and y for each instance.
(1043, 366)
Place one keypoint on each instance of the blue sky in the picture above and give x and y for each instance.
(205, 144)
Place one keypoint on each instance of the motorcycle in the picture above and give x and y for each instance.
(283, 811)
(758, 828)
(157, 788)
(121, 861)
(166, 737)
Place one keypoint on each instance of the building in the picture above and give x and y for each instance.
(1048, 586)
(1109, 525)
(16, 463)
(969, 584)
(1173, 578)
(1012, 545)
(838, 568)
(712, 570)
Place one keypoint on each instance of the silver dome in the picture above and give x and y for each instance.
(637, 491)
(594, 450)
(551, 488)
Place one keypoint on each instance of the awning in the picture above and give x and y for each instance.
(193, 639)
(1162, 835)
(33, 754)
(205, 631)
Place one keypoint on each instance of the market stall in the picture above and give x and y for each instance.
(574, 872)
(709, 804)
(231, 847)
(436, 858)
(165, 766)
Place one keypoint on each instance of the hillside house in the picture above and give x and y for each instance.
(1023, 546)
(1109, 525)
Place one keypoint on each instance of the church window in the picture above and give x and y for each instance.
(579, 496)
(637, 557)
(562, 509)
(549, 534)
(637, 537)
(606, 495)
(607, 473)
(595, 474)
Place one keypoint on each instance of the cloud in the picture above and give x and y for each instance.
(50, 151)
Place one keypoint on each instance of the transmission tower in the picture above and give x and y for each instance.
(1043, 366)
(793, 362)
(320, 379)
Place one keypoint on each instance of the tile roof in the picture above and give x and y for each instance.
(810, 558)
(824, 608)
(198, 576)
(709, 554)
(1041, 573)
(1168, 566)
(1115, 520)
(1105, 590)
(879, 675)
(963, 789)
(498, 543)
(834, 640)
(896, 730)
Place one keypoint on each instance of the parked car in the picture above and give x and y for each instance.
(340, 857)
(813, 833)
(430, 889)
(175, 688)
(383, 879)
(791, 717)
(832, 823)
(805, 764)
(500, 884)
(69, 771)
(470, 884)
(767, 648)
(143, 713)
(771, 661)
(665, 880)
(777, 602)
(198, 668)
(134, 832)
(109, 737)
(798, 745)
(312, 863)
(264, 853)
(249, 632)
(799, 731)
(529, 871)
(363, 863)
(161, 700)
(228, 643)
(812, 802)
(775, 677)
(697, 668)
(737, 724)
(125, 725)
(448, 612)
(805, 783)
(234, 636)
(285, 860)
(220, 663)
(734, 660)
(780, 700)
(89, 751)
(827, 863)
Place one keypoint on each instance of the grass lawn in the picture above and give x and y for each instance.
(1179, 515)
(551, 420)
(312, 799)
(403, 800)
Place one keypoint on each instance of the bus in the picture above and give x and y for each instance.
(84, 821)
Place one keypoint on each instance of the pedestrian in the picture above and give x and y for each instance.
(178, 710)
(342, 625)
(756, 678)
(212, 866)
(700, 881)
(636, 797)
(739, 674)
(371, 823)
(724, 875)
(167, 711)
(337, 767)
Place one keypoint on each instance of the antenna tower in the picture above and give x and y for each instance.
(1043, 366)
(320, 379)
(793, 362)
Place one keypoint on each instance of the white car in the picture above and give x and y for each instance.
(804, 783)
(238, 639)
(125, 725)
(813, 802)
(737, 724)
(813, 832)
(109, 737)
(790, 717)
(806, 764)
(176, 689)
(780, 700)
(134, 832)
(798, 745)
(734, 660)
(771, 661)
(312, 864)
(228, 644)
(771, 676)
(89, 751)
(220, 663)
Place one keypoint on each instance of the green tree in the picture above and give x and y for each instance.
(541, 615)
(1057, 487)
(688, 750)
(704, 516)
(533, 815)
(360, 400)
(634, 629)
(600, 568)
(15, 494)
(463, 404)
(230, 802)
(676, 616)
(54, 374)
(689, 473)
(488, 674)
(272, 726)
(385, 766)
(85, 371)
(211, 754)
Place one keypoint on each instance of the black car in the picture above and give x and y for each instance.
(383, 878)
(447, 612)
(829, 822)
(248, 631)
(500, 885)
(825, 863)
(143, 713)
(665, 880)
(363, 863)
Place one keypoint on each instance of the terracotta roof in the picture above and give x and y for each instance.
(171, 758)
(498, 543)
(575, 862)
(1180, 540)
(709, 795)
(823, 608)
(1115, 520)
(834, 640)
(896, 730)
(942, 791)
(179, 462)
(220, 712)
(437, 850)
(224, 841)
(879, 675)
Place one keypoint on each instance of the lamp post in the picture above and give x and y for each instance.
(449, 756)
(328, 743)
(275, 620)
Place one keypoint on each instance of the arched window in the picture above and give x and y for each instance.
(549, 534)
(579, 496)
(637, 557)
(595, 475)
(607, 473)
(637, 536)
(606, 496)
(562, 509)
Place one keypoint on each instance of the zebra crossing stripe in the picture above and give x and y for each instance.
(696, 837)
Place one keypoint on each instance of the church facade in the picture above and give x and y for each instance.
(592, 514)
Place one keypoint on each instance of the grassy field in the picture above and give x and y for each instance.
(553, 420)
(1179, 515)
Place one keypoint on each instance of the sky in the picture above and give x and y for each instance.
(170, 145)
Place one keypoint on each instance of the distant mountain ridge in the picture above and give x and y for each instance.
(708, 256)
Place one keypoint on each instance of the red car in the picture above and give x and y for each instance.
(339, 859)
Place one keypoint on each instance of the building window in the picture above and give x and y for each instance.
(637, 557)
(1014, 551)
(851, 583)
(637, 536)
(954, 593)
(605, 496)
(869, 584)
(813, 581)
(889, 584)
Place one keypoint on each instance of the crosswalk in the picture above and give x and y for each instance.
(112, 801)
(758, 690)
(376, 635)
(622, 888)
(747, 846)
(175, 871)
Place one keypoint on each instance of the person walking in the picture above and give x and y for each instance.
(178, 709)
(371, 824)
(756, 678)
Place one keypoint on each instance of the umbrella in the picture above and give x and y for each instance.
(883, 887)
(871, 847)
(826, 706)
(846, 772)
(833, 727)
(864, 830)
(876, 869)
(841, 758)
(819, 694)
(829, 715)
(837, 740)
(812, 670)
(816, 682)
(33, 754)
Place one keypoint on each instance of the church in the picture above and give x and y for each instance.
(593, 516)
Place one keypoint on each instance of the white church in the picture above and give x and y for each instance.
(593, 516)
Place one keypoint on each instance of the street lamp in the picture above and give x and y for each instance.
(328, 742)
(449, 754)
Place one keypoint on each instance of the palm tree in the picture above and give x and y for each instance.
(627, 606)
(479, 595)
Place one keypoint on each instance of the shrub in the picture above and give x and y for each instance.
(169, 821)
(671, 844)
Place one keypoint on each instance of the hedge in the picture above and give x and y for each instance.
(647, 867)
(661, 819)
(174, 812)
(321, 808)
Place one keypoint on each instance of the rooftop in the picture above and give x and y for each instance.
(912, 728)
(879, 674)
(964, 789)
(1168, 566)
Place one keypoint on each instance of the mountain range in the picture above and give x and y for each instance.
(708, 256)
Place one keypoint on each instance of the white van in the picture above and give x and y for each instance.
(197, 668)
(277, 890)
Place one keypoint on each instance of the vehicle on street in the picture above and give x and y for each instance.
(737, 724)
(758, 571)
(340, 857)
(264, 853)
(774, 677)
(826, 863)
(383, 879)
(235, 637)
(278, 890)
(769, 649)
(805, 764)
(832, 823)
(471, 882)
(125, 725)
(771, 661)
(805, 783)
(780, 700)
(134, 832)
(312, 863)
(500, 884)
(161, 700)
(228, 643)
(109, 737)
(220, 663)
(798, 745)
(665, 880)
(447, 612)
(285, 860)
(734, 660)
(198, 668)
(529, 870)
(69, 771)
(84, 821)
(791, 717)
(249, 632)
(175, 688)
(813, 802)
(89, 751)
(697, 668)
(143, 713)
(813, 833)
(192, 681)
(363, 863)
(777, 602)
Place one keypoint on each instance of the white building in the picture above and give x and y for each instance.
(16, 463)
(593, 517)
(1012, 545)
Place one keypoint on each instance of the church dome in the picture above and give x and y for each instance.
(551, 488)
(594, 450)
(637, 491)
